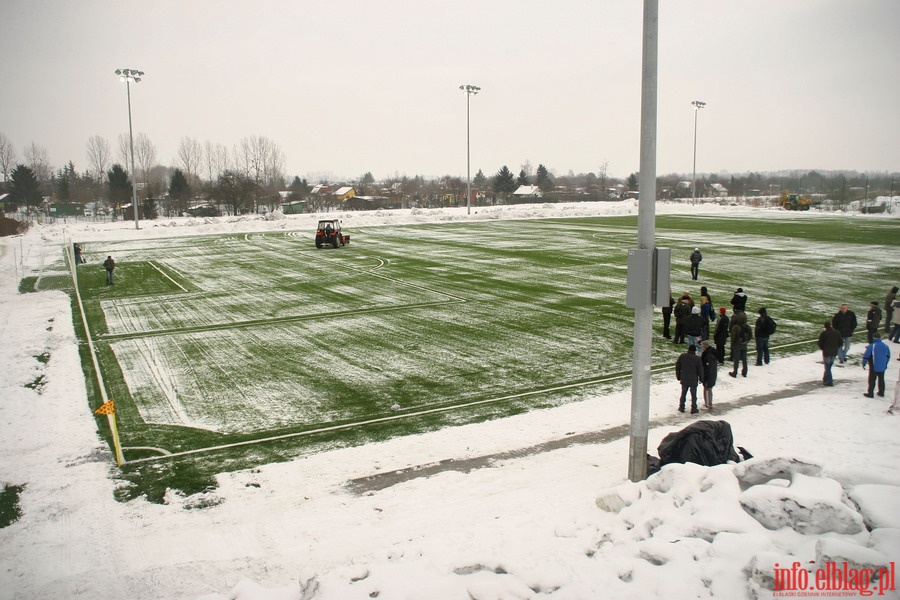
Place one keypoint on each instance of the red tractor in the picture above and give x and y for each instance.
(329, 233)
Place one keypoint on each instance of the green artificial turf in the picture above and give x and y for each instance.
(219, 340)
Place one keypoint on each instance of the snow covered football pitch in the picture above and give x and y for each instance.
(259, 347)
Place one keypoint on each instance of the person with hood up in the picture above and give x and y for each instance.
(762, 331)
(693, 328)
(830, 342)
(739, 300)
(689, 371)
(740, 337)
(879, 354)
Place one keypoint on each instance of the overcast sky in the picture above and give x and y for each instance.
(350, 86)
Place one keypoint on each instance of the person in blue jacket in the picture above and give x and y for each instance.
(879, 354)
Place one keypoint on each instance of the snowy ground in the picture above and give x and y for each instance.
(509, 516)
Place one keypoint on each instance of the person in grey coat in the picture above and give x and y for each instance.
(689, 371)
(830, 341)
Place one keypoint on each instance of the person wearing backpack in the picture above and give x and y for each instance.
(740, 337)
(762, 331)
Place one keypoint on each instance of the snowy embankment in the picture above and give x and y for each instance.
(562, 523)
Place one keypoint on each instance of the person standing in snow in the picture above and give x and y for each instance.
(681, 311)
(740, 337)
(830, 342)
(762, 331)
(109, 264)
(721, 333)
(706, 313)
(710, 372)
(896, 404)
(79, 260)
(879, 355)
(739, 300)
(689, 371)
(667, 316)
(693, 328)
(873, 320)
(844, 322)
(889, 302)
(696, 257)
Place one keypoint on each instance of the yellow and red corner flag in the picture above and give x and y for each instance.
(108, 408)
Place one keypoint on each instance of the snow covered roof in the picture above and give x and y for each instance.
(528, 190)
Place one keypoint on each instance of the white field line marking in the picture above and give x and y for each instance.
(393, 417)
(150, 448)
(166, 275)
(568, 386)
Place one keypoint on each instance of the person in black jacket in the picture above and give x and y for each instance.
(667, 316)
(681, 311)
(109, 264)
(889, 308)
(762, 331)
(830, 342)
(873, 320)
(740, 337)
(710, 372)
(689, 371)
(696, 257)
(720, 334)
(844, 322)
(739, 300)
(693, 328)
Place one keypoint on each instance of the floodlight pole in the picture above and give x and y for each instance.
(697, 104)
(469, 91)
(643, 307)
(129, 75)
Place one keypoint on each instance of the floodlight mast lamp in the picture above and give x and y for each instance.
(697, 104)
(469, 91)
(129, 76)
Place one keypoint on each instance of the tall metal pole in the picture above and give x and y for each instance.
(469, 90)
(129, 75)
(643, 311)
(134, 206)
(697, 104)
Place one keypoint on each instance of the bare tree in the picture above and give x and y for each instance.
(98, 155)
(125, 151)
(36, 158)
(261, 161)
(190, 155)
(7, 156)
(144, 155)
(216, 156)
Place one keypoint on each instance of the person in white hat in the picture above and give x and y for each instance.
(696, 257)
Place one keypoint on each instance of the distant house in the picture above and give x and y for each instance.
(528, 191)
(718, 190)
(320, 188)
(344, 193)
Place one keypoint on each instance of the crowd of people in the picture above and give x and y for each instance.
(705, 352)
